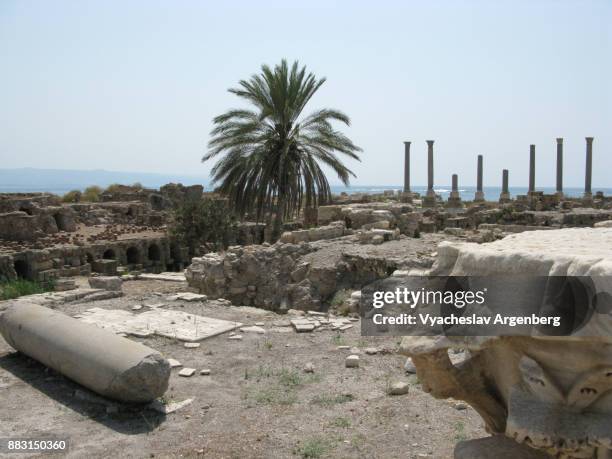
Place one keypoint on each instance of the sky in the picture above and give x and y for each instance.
(134, 85)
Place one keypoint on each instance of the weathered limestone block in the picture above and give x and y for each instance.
(334, 230)
(328, 214)
(98, 359)
(550, 393)
(113, 284)
(357, 217)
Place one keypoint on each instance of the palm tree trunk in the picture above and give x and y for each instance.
(278, 218)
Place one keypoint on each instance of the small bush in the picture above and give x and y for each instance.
(313, 448)
(341, 422)
(20, 287)
(92, 194)
(72, 196)
(330, 400)
(207, 222)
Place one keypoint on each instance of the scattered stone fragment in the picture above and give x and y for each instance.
(235, 337)
(409, 366)
(371, 350)
(106, 283)
(302, 325)
(281, 323)
(460, 406)
(309, 367)
(170, 407)
(343, 348)
(191, 345)
(398, 388)
(137, 307)
(155, 305)
(345, 327)
(205, 372)
(352, 361)
(260, 324)
(187, 296)
(187, 372)
(174, 363)
(253, 329)
(355, 350)
(296, 312)
(315, 313)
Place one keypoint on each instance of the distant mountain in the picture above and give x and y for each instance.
(60, 181)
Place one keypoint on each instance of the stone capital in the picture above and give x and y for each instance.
(560, 140)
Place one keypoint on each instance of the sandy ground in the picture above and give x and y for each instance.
(257, 402)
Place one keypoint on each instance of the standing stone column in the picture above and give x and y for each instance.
(479, 196)
(588, 194)
(406, 167)
(430, 198)
(560, 167)
(406, 195)
(505, 193)
(531, 169)
(454, 200)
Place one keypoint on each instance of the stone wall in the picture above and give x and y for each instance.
(150, 254)
(36, 222)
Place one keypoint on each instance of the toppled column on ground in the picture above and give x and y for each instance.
(98, 359)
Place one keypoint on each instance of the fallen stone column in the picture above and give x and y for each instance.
(96, 358)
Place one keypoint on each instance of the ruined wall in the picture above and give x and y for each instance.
(149, 254)
(24, 226)
(287, 274)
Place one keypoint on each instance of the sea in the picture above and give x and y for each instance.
(467, 192)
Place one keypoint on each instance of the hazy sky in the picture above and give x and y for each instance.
(133, 85)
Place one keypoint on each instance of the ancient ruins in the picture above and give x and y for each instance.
(141, 301)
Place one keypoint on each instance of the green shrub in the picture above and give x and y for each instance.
(20, 287)
(207, 222)
(92, 194)
(72, 196)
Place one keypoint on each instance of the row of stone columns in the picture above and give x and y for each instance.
(430, 197)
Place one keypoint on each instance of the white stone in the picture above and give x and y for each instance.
(187, 372)
(191, 345)
(168, 276)
(174, 363)
(309, 367)
(137, 307)
(253, 329)
(205, 372)
(171, 324)
(352, 361)
(187, 296)
(106, 283)
(398, 388)
(169, 407)
(235, 337)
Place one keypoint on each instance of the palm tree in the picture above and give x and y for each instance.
(271, 156)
